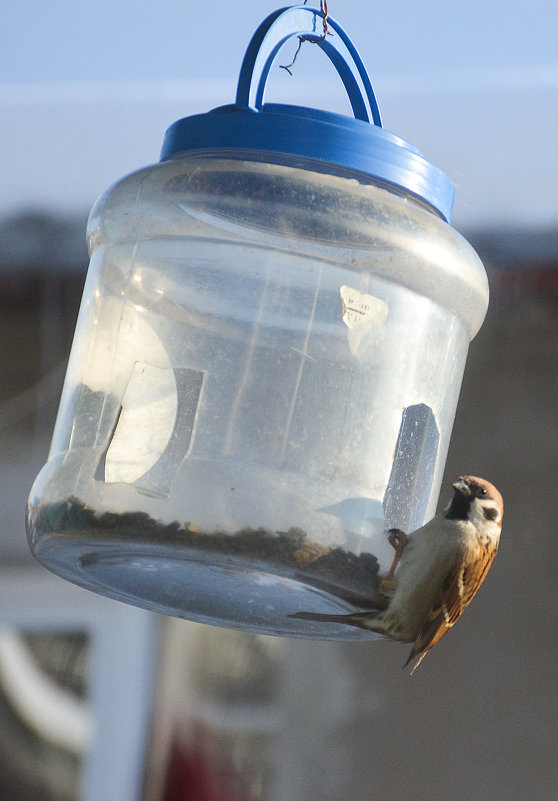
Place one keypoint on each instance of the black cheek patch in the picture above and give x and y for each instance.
(490, 513)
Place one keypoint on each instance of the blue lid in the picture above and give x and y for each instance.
(331, 140)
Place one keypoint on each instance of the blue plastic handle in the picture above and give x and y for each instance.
(301, 21)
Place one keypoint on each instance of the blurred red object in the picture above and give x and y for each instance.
(199, 771)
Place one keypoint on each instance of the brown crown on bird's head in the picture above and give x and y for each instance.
(483, 488)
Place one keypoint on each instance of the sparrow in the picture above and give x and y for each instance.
(436, 571)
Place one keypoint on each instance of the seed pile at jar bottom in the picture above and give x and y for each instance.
(351, 577)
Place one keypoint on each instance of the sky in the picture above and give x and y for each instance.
(87, 91)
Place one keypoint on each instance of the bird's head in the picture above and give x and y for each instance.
(477, 500)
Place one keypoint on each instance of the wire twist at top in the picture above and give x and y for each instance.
(312, 39)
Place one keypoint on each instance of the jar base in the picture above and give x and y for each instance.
(217, 582)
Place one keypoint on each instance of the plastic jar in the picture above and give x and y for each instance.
(266, 364)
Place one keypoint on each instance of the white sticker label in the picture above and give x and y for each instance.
(361, 313)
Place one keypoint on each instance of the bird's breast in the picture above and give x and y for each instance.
(429, 556)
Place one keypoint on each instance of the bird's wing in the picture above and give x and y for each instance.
(458, 590)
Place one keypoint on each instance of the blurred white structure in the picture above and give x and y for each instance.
(112, 729)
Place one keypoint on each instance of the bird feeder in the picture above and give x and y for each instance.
(266, 364)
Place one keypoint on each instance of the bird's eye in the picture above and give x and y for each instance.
(482, 492)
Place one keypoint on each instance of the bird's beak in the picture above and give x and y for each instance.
(462, 487)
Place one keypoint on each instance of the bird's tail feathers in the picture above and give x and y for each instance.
(412, 655)
(364, 620)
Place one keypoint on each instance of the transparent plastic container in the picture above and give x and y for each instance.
(263, 380)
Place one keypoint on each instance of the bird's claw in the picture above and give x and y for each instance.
(398, 540)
